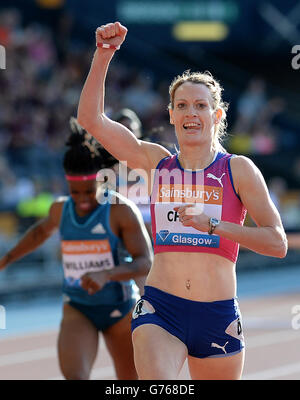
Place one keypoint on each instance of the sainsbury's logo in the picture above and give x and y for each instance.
(190, 193)
(85, 246)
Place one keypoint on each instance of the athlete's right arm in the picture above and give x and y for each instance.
(36, 235)
(116, 138)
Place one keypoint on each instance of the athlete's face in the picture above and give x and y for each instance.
(193, 114)
(84, 195)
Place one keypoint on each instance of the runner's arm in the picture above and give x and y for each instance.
(138, 244)
(36, 235)
(115, 137)
(268, 237)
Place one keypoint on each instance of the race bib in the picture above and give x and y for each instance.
(169, 230)
(82, 256)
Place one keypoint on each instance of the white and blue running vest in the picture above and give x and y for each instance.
(88, 247)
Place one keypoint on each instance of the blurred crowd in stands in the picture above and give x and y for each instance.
(40, 89)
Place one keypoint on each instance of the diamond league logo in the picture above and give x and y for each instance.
(164, 233)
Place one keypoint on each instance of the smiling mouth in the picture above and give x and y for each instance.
(193, 126)
(84, 206)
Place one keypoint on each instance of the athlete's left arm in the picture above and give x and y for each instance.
(268, 237)
(137, 242)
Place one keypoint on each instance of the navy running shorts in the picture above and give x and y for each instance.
(104, 316)
(208, 329)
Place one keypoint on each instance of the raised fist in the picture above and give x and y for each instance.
(113, 33)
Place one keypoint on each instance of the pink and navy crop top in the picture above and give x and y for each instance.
(211, 190)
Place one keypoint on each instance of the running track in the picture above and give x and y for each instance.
(267, 301)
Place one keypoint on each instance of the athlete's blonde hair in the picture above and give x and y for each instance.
(204, 78)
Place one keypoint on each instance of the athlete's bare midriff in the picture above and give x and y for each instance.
(194, 276)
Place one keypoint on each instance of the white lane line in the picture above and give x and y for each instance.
(97, 373)
(266, 323)
(27, 356)
(273, 373)
(32, 355)
(103, 372)
(271, 338)
(108, 372)
(18, 336)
